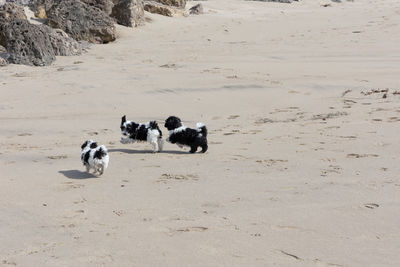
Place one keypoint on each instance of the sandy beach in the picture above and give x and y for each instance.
(302, 103)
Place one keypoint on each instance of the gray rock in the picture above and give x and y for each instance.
(158, 8)
(196, 10)
(104, 5)
(175, 3)
(39, 7)
(128, 12)
(27, 43)
(11, 11)
(8, 13)
(62, 44)
(81, 22)
(19, 2)
(3, 56)
(3, 62)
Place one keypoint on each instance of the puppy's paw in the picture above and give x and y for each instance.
(125, 140)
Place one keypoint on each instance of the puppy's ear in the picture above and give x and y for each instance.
(84, 145)
(123, 120)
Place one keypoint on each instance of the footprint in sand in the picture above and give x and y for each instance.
(357, 156)
(348, 137)
(211, 205)
(71, 185)
(394, 119)
(331, 169)
(79, 201)
(319, 263)
(24, 134)
(171, 66)
(187, 230)
(73, 214)
(331, 115)
(255, 131)
(215, 143)
(58, 157)
(272, 162)
(118, 212)
(232, 117)
(290, 255)
(6, 263)
(371, 205)
(166, 177)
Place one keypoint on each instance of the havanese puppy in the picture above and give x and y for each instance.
(141, 132)
(183, 136)
(94, 157)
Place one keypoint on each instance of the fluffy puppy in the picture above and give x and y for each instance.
(183, 136)
(141, 132)
(94, 157)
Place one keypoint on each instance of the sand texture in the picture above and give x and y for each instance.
(302, 103)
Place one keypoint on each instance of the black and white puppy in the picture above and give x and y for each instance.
(94, 157)
(141, 132)
(183, 136)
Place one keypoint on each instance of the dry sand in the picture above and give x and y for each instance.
(302, 167)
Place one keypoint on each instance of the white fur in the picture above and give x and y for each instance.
(177, 130)
(98, 165)
(199, 125)
(153, 137)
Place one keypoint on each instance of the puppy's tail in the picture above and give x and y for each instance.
(201, 128)
(154, 126)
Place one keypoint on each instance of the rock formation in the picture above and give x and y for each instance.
(104, 5)
(165, 10)
(62, 44)
(81, 21)
(11, 11)
(128, 12)
(27, 43)
(175, 3)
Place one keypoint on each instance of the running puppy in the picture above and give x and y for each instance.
(94, 157)
(141, 132)
(183, 136)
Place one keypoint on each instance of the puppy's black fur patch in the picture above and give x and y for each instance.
(92, 145)
(94, 157)
(138, 131)
(99, 154)
(86, 157)
(182, 135)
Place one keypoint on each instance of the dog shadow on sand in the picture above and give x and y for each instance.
(76, 174)
(133, 151)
